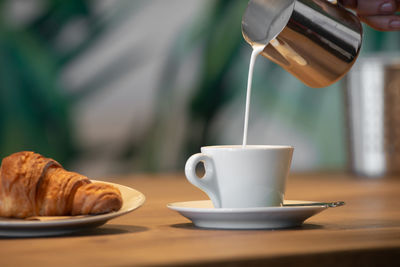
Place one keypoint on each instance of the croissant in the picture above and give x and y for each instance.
(32, 185)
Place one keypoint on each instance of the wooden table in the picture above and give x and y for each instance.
(365, 232)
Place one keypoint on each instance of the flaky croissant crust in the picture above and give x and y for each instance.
(32, 185)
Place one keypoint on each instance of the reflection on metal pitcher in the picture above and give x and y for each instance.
(315, 40)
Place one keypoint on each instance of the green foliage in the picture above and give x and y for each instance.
(34, 115)
(34, 107)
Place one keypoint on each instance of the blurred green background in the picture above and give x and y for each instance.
(112, 87)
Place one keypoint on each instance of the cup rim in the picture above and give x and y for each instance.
(248, 147)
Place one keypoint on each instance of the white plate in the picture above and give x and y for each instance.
(203, 214)
(132, 199)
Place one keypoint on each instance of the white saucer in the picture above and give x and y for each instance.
(203, 214)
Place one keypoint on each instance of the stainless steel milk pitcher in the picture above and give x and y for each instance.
(315, 40)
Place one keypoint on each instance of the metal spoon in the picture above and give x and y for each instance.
(327, 204)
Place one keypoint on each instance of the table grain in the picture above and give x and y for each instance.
(364, 232)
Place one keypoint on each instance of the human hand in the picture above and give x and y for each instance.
(379, 14)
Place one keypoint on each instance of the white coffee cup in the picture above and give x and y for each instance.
(242, 176)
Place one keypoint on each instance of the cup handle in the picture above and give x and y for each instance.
(207, 183)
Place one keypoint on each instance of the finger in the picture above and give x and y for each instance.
(378, 7)
(383, 23)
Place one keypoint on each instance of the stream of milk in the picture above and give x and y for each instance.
(257, 49)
